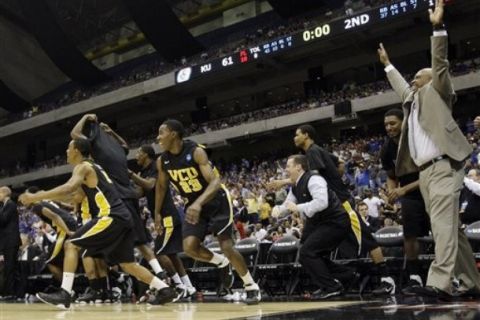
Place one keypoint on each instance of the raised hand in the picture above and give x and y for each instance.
(383, 55)
(436, 16)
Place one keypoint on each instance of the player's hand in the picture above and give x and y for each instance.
(275, 184)
(158, 225)
(26, 198)
(105, 127)
(436, 16)
(70, 233)
(193, 213)
(396, 193)
(291, 206)
(383, 55)
(91, 117)
(476, 122)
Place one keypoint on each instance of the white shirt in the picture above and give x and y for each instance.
(472, 185)
(260, 234)
(422, 148)
(317, 187)
(373, 205)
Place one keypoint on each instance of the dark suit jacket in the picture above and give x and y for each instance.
(9, 229)
(434, 101)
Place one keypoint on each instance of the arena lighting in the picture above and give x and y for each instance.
(317, 33)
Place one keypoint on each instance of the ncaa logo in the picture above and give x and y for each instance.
(189, 157)
(184, 75)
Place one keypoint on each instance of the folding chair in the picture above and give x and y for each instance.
(281, 269)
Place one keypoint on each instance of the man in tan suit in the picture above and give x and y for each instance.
(432, 143)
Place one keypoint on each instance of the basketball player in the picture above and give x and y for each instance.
(169, 242)
(208, 207)
(109, 232)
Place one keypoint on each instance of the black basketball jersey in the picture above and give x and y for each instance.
(63, 214)
(104, 200)
(184, 173)
(112, 157)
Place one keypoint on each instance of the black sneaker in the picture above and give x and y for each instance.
(327, 293)
(59, 299)
(386, 287)
(88, 296)
(252, 297)
(226, 276)
(50, 289)
(409, 289)
(163, 296)
(181, 293)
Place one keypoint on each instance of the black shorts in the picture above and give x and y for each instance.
(56, 253)
(141, 234)
(216, 217)
(107, 237)
(415, 220)
(170, 241)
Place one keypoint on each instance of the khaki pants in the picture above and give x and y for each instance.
(440, 185)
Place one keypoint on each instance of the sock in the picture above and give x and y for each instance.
(176, 279)
(155, 266)
(103, 284)
(157, 284)
(186, 281)
(67, 281)
(219, 260)
(413, 267)
(248, 282)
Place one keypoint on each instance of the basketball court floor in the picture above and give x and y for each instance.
(390, 308)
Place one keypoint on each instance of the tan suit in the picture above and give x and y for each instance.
(441, 182)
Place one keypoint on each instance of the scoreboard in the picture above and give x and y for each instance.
(317, 33)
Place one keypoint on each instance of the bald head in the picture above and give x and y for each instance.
(5, 192)
(422, 77)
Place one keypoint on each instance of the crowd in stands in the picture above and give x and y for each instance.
(155, 66)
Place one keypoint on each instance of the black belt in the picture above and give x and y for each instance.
(429, 163)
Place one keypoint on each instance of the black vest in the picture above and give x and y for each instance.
(333, 212)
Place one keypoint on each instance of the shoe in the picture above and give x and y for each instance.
(472, 293)
(386, 287)
(162, 296)
(433, 292)
(181, 293)
(60, 299)
(327, 293)
(252, 297)
(88, 296)
(414, 282)
(190, 293)
(162, 275)
(226, 276)
(50, 289)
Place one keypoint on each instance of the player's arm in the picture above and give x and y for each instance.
(55, 218)
(115, 135)
(161, 188)
(206, 170)
(77, 131)
(147, 183)
(64, 191)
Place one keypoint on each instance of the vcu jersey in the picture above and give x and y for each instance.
(184, 173)
(103, 200)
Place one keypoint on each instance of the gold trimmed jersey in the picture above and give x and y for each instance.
(103, 200)
(184, 173)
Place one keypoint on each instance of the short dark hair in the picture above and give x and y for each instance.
(83, 145)
(394, 112)
(301, 160)
(175, 125)
(363, 204)
(146, 148)
(310, 130)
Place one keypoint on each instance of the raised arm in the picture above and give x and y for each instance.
(77, 131)
(440, 66)
(115, 135)
(398, 83)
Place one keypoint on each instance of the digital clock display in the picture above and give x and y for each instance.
(320, 32)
